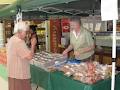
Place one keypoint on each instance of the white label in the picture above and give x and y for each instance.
(109, 10)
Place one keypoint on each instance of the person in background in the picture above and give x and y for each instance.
(81, 40)
(18, 58)
(31, 35)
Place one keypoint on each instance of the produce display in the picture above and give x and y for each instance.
(3, 57)
(3, 50)
(46, 59)
(87, 72)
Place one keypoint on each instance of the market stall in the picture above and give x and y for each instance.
(71, 75)
(58, 81)
(52, 71)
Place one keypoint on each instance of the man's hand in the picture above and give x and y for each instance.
(76, 53)
(65, 52)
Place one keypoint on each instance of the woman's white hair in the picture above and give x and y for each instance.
(21, 26)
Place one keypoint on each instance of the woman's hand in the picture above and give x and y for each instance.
(33, 41)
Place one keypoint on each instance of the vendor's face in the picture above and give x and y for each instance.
(74, 25)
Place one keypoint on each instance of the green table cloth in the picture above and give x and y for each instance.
(61, 82)
(57, 81)
(40, 77)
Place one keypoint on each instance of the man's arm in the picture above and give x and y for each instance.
(70, 47)
(87, 49)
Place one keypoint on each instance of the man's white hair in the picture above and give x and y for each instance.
(21, 26)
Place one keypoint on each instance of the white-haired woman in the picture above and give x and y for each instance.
(18, 57)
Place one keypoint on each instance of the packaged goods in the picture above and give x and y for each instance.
(46, 60)
(87, 72)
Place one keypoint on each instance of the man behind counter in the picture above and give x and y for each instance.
(81, 40)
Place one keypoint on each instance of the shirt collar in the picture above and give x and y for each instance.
(76, 34)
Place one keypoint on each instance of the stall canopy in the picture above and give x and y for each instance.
(74, 7)
(28, 5)
(79, 7)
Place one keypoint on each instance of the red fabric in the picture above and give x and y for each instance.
(55, 35)
(65, 25)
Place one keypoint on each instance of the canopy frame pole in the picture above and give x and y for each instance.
(113, 55)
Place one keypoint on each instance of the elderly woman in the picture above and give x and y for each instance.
(81, 40)
(18, 57)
